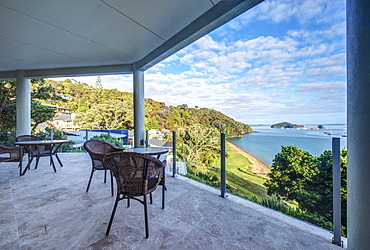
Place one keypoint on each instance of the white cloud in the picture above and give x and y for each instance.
(323, 88)
(294, 68)
(303, 11)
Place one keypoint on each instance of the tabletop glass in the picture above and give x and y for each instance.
(148, 151)
(41, 142)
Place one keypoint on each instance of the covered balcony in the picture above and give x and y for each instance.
(91, 37)
(51, 210)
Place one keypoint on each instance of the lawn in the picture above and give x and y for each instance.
(238, 175)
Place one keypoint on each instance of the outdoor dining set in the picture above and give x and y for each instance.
(138, 171)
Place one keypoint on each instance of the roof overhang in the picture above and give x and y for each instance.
(91, 37)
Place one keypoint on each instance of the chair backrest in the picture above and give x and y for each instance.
(98, 149)
(135, 173)
(30, 138)
(97, 146)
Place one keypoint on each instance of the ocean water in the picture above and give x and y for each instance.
(266, 142)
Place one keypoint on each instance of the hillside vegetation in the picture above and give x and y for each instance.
(98, 107)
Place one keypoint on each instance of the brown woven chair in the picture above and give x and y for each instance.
(36, 150)
(12, 154)
(97, 150)
(136, 175)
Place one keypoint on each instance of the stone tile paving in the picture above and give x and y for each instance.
(47, 210)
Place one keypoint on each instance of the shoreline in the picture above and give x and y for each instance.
(258, 167)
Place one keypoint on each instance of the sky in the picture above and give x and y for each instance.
(283, 60)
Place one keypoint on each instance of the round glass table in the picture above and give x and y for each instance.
(148, 151)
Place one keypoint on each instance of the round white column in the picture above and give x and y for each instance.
(139, 115)
(358, 90)
(23, 105)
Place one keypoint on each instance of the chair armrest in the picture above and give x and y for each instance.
(14, 152)
(6, 149)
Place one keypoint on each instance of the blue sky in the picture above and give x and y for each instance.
(284, 60)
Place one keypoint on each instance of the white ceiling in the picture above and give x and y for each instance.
(84, 37)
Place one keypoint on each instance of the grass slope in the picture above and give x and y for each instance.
(246, 184)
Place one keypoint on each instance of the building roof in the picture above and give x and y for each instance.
(63, 117)
(159, 143)
(53, 106)
(91, 37)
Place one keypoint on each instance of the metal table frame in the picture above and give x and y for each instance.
(55, 145)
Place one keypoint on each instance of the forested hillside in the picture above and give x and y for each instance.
(98, 107)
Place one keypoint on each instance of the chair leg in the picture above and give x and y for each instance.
(20, 168)
(29, 160)
(37, 162)
(105, 176)
(112, 215)
(146, 217)
(60, 162)
(164, 188)
(163, 191)
(91, 175)
(52, 163)
(111, 182)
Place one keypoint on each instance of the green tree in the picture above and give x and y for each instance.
(110, 115)
(151, 123)
(40, 114)
(298, 176)
(292, 174)
(7, 105)
(40, 91)
(98, 84)
(7, 92)
(322, 190)
(199, 145)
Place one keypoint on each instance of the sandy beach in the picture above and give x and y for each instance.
(258, 167)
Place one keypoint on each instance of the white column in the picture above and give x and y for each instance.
(358, 92)
(139, 115)
(23, 104)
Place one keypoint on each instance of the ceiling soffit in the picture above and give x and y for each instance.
(87, 37)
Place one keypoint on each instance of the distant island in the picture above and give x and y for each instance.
(286, 125)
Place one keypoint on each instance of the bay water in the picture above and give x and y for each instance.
(266, 142)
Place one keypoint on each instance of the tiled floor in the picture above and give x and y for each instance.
(47, 210)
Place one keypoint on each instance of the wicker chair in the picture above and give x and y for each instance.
(12, 154)
(97, 150)
(136, 175)
(37, 151)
